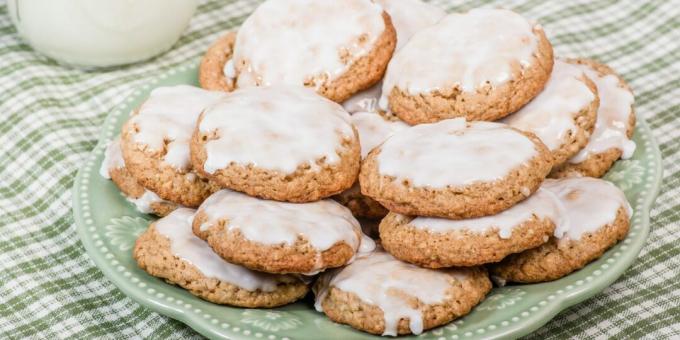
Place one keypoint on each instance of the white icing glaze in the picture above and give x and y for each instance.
(364, 101)
(374, 129)
(169, 114)
(612, 118)
(187, 246)
(454, 153)
(463, 49)
(322, 223)
(143, 203)
(408, 17)
(551, 114)
(588, 204)
(381, 280)
(277, 128)
(229, 70)
(290, 42)
(541, 205)
(113, 158)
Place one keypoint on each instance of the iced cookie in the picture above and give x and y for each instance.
(212, 74)
(408, 17)
(146, 201)
(596, 215)
(436, 242)
(336, 48)
(455, 169)
(373, 129)
(169, 250)
(281, 143)
(563, 115)
(614, 127)
(379, 294)
(279, 237)
(155, 143)
(482, 65)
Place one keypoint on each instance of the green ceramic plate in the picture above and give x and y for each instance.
(108, 226)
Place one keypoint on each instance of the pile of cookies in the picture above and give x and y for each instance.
(475, 148)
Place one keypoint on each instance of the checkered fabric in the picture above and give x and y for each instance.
(50, 118)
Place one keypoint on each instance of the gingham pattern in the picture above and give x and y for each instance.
(50, 121)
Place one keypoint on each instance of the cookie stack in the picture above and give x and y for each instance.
(442, 127)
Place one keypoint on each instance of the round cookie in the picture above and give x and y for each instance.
(169, 250)
(155, 143)
(212, 74)
(408, 17)
(563, 115)
(146, 201)
(482, 65)
(279, 237)
(596, 215)
(436, 242)
(455, 169)
(336, 48)
(614, 127)
(373, 129)
(379, 294)
(280, 143)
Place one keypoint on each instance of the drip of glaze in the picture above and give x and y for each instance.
(169, 116)
(229, 70)
(468, 50)
(314, 42)
(364, 101)
(143, 203)
(113, 158)
(381, 280)
(612, 118)
(454, 153)
(550, 115)
(374, 129)
(277, 128)
(408, 17)
(588, 204)
(540, 205)
(187, 246)
(322, 223)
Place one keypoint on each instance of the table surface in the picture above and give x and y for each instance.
(50, 118)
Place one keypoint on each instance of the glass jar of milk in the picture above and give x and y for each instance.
(101, 33)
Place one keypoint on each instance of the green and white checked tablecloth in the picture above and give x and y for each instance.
(50, 118)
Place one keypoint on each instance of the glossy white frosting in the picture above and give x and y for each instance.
(612, 118)
(291, 42)
(322, 223)
(408, 17)
(113, 159)
(454, 153)
(276, 128)
(550, 115)
(374, 129)
(169, 116)
(541, 205)
(381, 280)
(588, 204)
(468, 50)
(188, 247)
